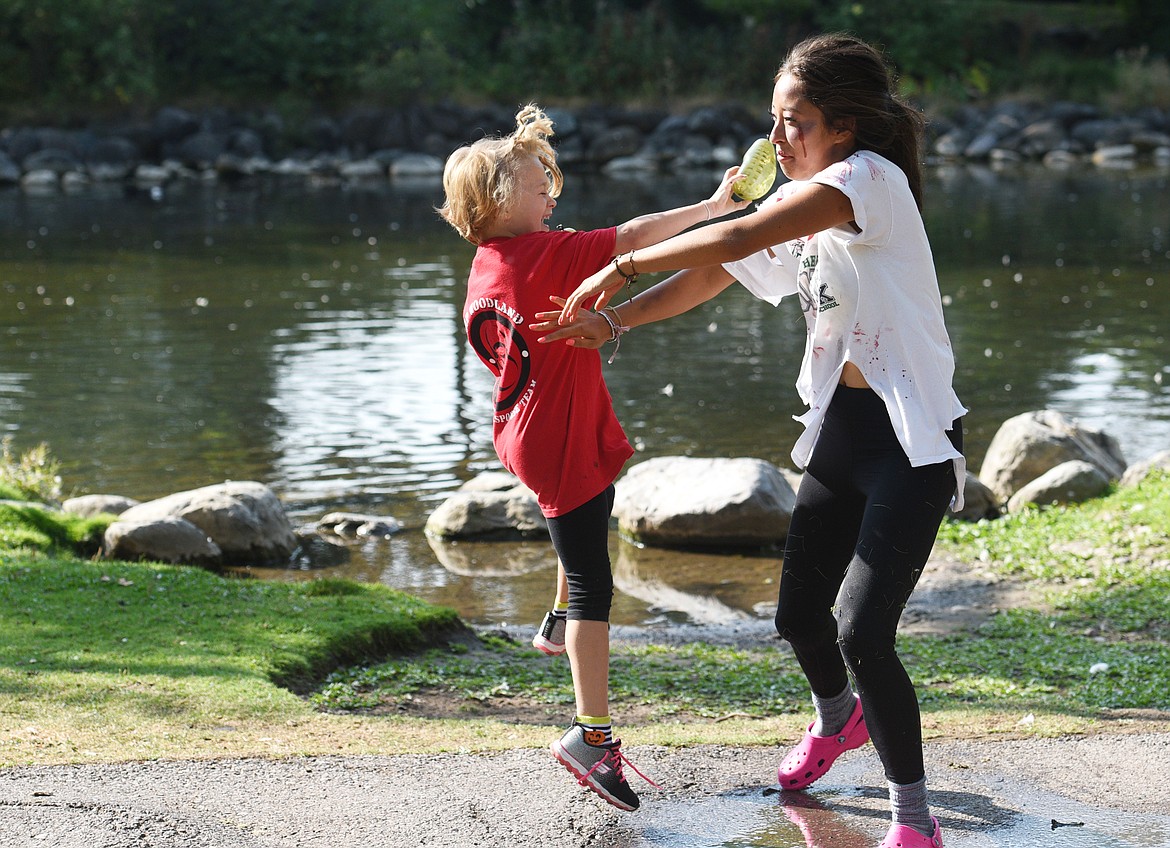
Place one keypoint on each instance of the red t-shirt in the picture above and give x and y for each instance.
(554, 425)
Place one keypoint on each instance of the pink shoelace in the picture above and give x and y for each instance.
(616, 758)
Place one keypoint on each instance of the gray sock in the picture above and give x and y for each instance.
(908, 802)
(832, 713)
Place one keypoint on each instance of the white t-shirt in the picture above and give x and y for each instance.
(870, 298)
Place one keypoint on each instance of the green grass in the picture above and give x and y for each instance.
(719, 680)
(1102, 568)
(115, 661)
(1109, 537)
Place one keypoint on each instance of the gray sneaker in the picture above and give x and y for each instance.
(550, 638)
(597, 765)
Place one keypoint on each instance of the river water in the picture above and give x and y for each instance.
(308, 336)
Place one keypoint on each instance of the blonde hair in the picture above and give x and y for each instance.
(479, 179)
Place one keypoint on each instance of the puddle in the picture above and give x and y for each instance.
(853, 817)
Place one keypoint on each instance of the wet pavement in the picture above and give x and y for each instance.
(853, 817)
(1106, 791)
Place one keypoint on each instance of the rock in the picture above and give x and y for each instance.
(1070, 482)
(1140, 470)
(1040, 137)
(202, 149)
(979, 502)
(350, 524)
(172, 124)
(363, 169)
(484, 510)
(615, 142)
(416, 165)
(1059, 159)
(626, 165)
(1116, 153)
(173, 540)
(40, 180)
(149, 175)
(51, 159)
(688, 501)
(246, 143)
(315, 550)
(1032, 443)
(245, 519)
(73, 182)
(91, 505)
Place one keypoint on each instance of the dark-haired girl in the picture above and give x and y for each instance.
(881, 450)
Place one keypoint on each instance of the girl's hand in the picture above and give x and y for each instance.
(588, 330)
(723, 200)
(604, 284)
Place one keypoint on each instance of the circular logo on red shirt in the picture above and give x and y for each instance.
(494, 338)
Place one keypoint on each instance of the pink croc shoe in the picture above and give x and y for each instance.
(809, 760)
(901, 836)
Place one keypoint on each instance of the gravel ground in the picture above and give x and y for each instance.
(985, 794)
(1103, 791)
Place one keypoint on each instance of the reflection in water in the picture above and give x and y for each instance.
(488, 559)
(310, 338)
(685, 583)
(857, 817)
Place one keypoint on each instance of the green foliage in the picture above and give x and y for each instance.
(1141, 80)
(926, 41)
(33, 476)
(117, 54)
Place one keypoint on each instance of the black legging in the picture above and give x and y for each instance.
(863, 527)
(581, 540)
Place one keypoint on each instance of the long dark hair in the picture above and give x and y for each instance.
(850, 81)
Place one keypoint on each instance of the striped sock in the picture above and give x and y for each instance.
(597, 724)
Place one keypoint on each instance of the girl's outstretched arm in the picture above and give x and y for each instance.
(673, 296)
(656, 226)
(807, 210)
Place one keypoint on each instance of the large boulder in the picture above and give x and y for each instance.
(166, 539)
(1070, 482)
(1032, 443)
(245, 520)
(91, 505)
(494, 505)
(679, 501)
(1140, 470)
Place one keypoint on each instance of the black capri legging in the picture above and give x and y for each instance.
(581, 540)
(863, 527)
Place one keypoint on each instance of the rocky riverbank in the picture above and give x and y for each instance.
(412, 142)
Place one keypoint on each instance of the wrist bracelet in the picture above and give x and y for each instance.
(631, 277)
(616, 328)
(708, 208)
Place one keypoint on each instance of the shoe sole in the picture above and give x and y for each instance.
(552, 649)
(562, 756)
